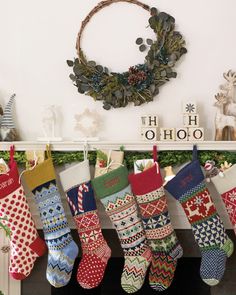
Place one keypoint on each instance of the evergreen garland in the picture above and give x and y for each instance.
(165, 158)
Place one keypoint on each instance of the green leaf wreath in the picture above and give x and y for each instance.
(141, 83)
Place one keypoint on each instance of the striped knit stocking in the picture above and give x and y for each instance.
(189, 188)
(62, 249)
(115, 194)
(77, 185)
(149, 192)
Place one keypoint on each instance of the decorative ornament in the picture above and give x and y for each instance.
(5, 249)
(211, 170)
(142, 165)
(140, 83)
(169, 174)
(88, 123)
(8, 130)
(225, 119)
(50, 119)
(224, 166)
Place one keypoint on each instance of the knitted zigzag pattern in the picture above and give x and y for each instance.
(161, 237)
(62, 248)
(122, 210)
(163, 267)
(149, 192)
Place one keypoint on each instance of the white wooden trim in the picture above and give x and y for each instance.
(128, 145)
(4, 276)
(7, 285)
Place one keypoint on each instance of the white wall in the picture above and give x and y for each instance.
(37, 37)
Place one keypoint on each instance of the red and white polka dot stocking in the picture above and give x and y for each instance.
(25, 244)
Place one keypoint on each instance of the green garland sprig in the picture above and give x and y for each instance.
(141, 83)
(165, 158)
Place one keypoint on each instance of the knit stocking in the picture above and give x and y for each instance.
(226, 186)
(25, 244)
(62, 249)
(77, 185)
(149, 192)
(189, 188)
(115, 194)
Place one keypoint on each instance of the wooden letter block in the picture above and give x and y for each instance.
(149, 120)
(181, 134)
(196, 134)
(191, 120)
(167, 134)
(149, 133)
(189, 107)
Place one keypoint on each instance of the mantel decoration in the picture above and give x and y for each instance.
(225, 120)
(141, 82)
(165, 158)
(88, 123)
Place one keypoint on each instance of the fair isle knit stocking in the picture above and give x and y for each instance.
(151, 199)
(189, 188)
(25, 244)
(77, 185)
(226, 187)
(114, 192)
(61, 247)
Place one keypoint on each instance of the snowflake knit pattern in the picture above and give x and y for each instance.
(189, 188)
(150, 195)
(115, 194)
(25, 244)
(226, 187)
(80, 196)
(61, 247)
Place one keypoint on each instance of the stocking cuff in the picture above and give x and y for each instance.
(75, 175)
(111, 182)
(41, 174)
(9, 182)
(185, 180)
(226, 183)
(146, 181)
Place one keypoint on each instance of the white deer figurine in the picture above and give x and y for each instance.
(229, 106)
(221, 120)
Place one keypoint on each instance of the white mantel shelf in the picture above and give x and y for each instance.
(115, 145)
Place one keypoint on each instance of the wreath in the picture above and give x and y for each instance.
(141, 82)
